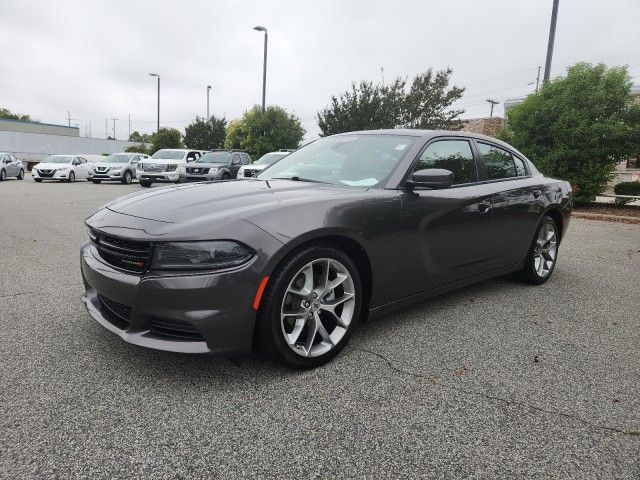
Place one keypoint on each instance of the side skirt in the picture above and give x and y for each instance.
(418, 297)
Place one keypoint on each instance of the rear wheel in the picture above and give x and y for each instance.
(543, 253)
(72, 177)
(21, 174)
(145, 183)
(310, 307)
(3, 175)
(127, 177)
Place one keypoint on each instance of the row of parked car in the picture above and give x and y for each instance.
(166, 165)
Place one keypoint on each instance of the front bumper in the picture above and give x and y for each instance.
(56, 176)
(214, 309)
(188, 177)
(158, 177)
(106, 176)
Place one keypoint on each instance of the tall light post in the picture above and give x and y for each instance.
(264, 64)
(492, 102)
(552, 37)
(208, 90)
(158, 76)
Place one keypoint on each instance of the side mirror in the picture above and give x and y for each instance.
(435, 178)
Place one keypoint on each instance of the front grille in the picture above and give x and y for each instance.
(153, 167)
(102, 169)
(198, 171)
(46, 173)
(117, 313)
(130, 255)
(250, 173)
(175, 330)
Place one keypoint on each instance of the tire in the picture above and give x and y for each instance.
(21, 174)
(127, 178)
(96, 181)
(543, 254)
(225, 176)
(3, 175)
(72, 177)
(145, 183)
(305, 348)
(38, 180)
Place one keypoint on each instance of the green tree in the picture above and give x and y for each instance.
(136, 149)
(140, 138)
(7, 114)
(206, 135)
(259, 133)
(165, 138)
(578, 127)
(367, 106)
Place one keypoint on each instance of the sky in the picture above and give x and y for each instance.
(92, 58)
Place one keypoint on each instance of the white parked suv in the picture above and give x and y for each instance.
(10, 166)
(120, 167)
(64, 168)
(164, 165)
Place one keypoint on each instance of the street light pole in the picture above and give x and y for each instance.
(264, 64)
(552, 36)
(208, 90)
(158, 76)
(492, 102)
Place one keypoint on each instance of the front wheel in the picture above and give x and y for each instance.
(543, 253)
(145, 183)
(127, 178)
(21, 174)
(3, 175)
(310, 307)
(72, 177)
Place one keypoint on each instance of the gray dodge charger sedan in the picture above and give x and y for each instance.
(348, 227)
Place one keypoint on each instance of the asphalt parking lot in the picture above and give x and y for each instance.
(499, 380)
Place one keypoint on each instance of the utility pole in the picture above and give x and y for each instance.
(106, 128)
(538, 78)
(69, 117)
(89, 129)
(552, 36)
(208, 90)
(129, 137)
(264, 65)
(158, 77)
(114, 127)
(492, 102)
(382, 74)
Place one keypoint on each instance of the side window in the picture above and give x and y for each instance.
(135, 159)
(83, 160)
(235, 160)
(498, 162)
(75, 161)
(245, 159)
(453, 155)
(520, 168)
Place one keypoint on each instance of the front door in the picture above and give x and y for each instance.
(445, 230)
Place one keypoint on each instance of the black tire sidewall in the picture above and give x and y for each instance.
(72, 177)
(3, 175)
(269, 315)
(127, 178)
(21, 174)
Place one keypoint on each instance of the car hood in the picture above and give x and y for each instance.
(51, 166)
(162, 161)
(109, 165)
(214, 202)
(255, 167)
(206, 165)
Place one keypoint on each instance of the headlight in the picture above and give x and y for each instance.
(182, 169)
(208, 255)
(213, 170)
(170, 168)
(63, 169)
(116, 170)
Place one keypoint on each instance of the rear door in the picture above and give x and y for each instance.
(235, 164)
(445, 230)
(15, 165)
(517, 202)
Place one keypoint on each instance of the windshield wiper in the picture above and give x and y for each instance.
(295, 178)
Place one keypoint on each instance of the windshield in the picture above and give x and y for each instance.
(353, 160)
(270, 158)
(169, 154)
(58, 159)
(215, 157)
(117, 158)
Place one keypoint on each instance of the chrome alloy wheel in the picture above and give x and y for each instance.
(546, 248)
(318, 307)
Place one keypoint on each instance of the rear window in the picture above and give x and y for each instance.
(498, 162)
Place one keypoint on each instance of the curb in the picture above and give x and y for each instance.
(605, 217)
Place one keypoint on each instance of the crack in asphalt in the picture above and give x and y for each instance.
(435, 381)
(14, 294)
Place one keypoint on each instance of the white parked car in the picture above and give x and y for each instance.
(64, 168)
(120, 167)
(163, 166)
(10, 166)
(253, 169)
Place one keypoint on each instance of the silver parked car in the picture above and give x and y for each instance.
(10, 166)
(63, 168)
(250, 171)
(120, 167)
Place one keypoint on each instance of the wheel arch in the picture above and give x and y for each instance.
(555, 214)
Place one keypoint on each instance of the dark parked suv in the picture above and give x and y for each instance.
(215, 165)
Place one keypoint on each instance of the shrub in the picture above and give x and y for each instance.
(626, 188)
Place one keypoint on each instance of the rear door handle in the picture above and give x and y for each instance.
(484, 207)
(537, 193)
